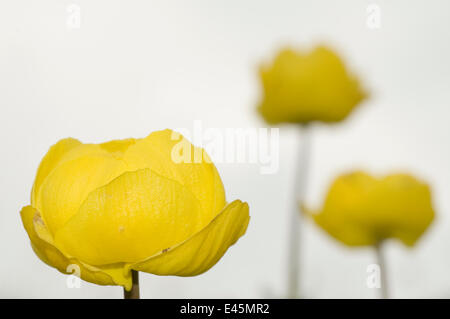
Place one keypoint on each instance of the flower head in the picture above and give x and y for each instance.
(362, 210)
(301, 87)
(131, 205)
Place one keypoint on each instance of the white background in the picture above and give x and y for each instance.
(137, 66)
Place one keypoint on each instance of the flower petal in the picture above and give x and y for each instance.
(49, 162)
(69, 149)
(203, 250)
(405, 207)
(162, 151)
(54, 258)
(133, 217)
(345, 212)
(118, 147)
(67, 186)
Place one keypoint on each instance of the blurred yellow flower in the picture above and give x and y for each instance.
(127, 205)
(301, 87)
(362, 210)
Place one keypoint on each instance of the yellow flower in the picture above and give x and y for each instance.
(301, 87)
(362, 210)
(130, 205)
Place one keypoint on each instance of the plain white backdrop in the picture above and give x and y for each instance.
(137, 66)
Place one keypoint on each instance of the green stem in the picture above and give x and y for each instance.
(134, 292)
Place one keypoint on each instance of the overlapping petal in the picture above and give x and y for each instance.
(50, 161)
(162, 151)
(133, 217)
(202, 251)
(68, 185)
(49, 254)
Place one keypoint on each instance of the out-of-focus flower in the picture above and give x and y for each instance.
(362, 210)
(301, 87)
(129, 205)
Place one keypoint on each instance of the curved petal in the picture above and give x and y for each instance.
(69, 149)
(49, 162)
(50, 255)
(203, 250)
(118, 147)
(133, 217)
(169, 154)
(66, 187)
(404, 207)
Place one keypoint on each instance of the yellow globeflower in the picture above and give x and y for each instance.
(131, 205)
(301, 87)
(362, 210)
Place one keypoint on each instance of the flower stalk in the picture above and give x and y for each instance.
(134, 292)
(384, 291)
(302, 163)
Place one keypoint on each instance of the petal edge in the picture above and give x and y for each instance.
(204, 249)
